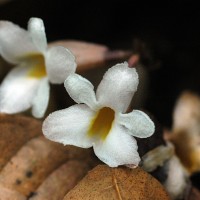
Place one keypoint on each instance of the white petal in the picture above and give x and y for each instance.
(139, 123)
(37, 32)
(81, 90)
(60, 63)
(119, 148)
(15, 42)
(69, 126)
(41, 99)
(17, 91)
(117, 87)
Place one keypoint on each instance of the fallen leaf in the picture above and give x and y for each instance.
(63, 179)
(6, 194)
(15, 131)
(35, 161)
(122, 183)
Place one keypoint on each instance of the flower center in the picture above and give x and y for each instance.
(37, 63)
(102, 123)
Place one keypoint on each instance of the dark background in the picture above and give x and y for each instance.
(171, 33)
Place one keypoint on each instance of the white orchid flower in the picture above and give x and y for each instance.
(27, 85)
(101, 120)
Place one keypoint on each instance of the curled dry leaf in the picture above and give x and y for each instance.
(91, 55)
(104, 183)
(61, 181)
(35, 161)
(185, 134)
(15, 131)
(6, 194)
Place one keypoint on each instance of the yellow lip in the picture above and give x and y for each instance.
(38, 69)
(102, 123)
(37, 63)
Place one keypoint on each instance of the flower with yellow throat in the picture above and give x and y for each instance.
(99, 120)
(27, 85)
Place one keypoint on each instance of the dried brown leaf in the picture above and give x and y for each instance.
(35, 161)
(15, 130)
(6, 194)
(104, 183)
(61, 181)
